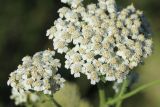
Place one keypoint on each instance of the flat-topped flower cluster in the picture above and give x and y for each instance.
(37, 73)
(99, 40)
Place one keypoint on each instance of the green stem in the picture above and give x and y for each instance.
(122, 91)
(137, 90)
(54, 101)
(102, 96)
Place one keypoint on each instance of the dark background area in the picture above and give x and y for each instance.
(23, 25)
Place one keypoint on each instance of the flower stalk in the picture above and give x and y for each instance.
(122, 92)
(135, 91)
(102, 96)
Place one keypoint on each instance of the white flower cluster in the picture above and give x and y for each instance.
(37, 73)
(73, 3)
(99, 40)
(23, 97)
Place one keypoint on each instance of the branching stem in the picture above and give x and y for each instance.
(137, 90)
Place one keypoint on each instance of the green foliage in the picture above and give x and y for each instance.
(69, 96)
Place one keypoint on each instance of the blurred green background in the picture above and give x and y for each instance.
(23, 25)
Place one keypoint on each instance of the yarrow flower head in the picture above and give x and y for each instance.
(99, 40)
(37, 73)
